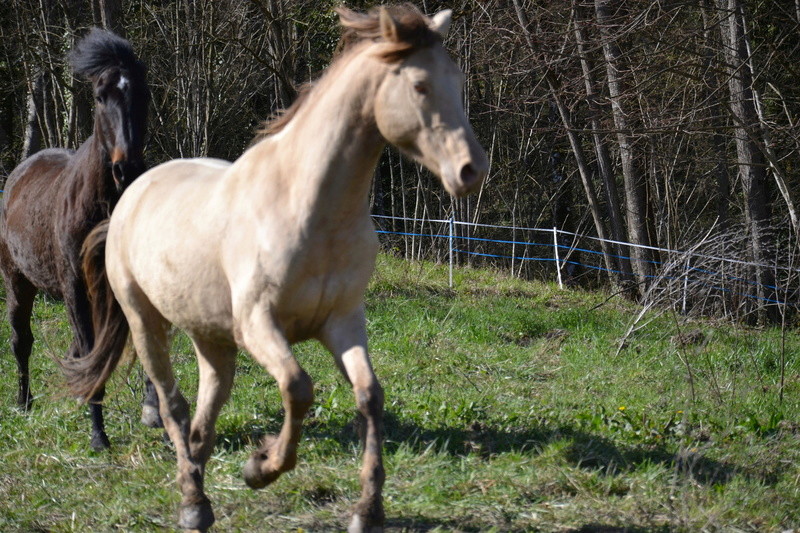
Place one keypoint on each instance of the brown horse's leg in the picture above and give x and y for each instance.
(277, 455)
(150, 416)
(346, 338)
(20, 294)
(216, 365)
(149, 335)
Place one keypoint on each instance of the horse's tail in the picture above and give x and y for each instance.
(88, 374)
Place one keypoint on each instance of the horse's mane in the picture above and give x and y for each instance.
(101, 50)
(413, 33)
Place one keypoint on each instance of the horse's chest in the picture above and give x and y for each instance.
(319, 286)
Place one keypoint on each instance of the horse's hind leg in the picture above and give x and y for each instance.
(149, 335)
(346, 338)
(267, 345)
(216, 364)
(20, 294)
(150, 416)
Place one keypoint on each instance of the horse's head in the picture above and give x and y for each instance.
(418, 105)
(121, 99)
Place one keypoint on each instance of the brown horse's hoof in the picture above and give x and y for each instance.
(150, 417)
(196, 517)
(100, 442)
(24, 402)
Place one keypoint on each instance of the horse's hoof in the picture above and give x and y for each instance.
(253, 476)
(24, 403)
(359, 525)
(100, 442)
(198, 516)
(150, 417)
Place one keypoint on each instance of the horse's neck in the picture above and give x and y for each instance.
(89, 179)
(324, 160)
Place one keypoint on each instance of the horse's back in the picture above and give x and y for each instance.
(36, 175)
(172, 190)
(29, 205)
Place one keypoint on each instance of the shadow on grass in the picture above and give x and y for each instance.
(600, 528)
(585, 450)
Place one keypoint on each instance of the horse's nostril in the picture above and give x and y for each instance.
(468, 174)
(117, 171)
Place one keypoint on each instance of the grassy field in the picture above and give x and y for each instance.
(510, 406)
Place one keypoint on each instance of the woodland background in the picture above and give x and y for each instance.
(669, 124)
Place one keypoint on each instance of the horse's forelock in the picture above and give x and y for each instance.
(413, 31)
(101, 50)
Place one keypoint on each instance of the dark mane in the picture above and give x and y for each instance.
(413, 33)
(101, 50)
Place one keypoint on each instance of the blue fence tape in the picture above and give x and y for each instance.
(693, 280)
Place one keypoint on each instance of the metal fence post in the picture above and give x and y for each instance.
(558, 261)
(451, 230)
(685, 285)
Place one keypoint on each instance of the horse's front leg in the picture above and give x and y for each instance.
(346, 338)
(264, 340)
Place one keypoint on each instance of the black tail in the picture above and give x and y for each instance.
(86, 375)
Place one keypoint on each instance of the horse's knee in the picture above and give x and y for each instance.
(369, 400)
(201, 442)
(299, 392)
(176, 411)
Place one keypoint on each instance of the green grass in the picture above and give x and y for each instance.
(509, 407)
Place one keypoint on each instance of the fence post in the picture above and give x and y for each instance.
(558, 261)
(451, 230)
(685, 284)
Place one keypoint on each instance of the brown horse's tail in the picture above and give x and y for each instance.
(88, 374)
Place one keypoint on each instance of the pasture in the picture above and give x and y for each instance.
(508, 408)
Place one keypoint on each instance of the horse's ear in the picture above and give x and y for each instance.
(388, 26)
(440, 23)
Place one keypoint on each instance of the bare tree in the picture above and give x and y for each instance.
(639, 213)
(750, 160)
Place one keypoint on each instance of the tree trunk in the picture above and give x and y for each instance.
(575, 144)
(640, 228)
(751, 163)
(108, 14)
(32, 141)
(712, 86)
(618, 232)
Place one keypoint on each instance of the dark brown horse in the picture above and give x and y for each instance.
(54, 198)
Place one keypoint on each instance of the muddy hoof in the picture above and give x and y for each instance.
(253, 476)
(359, 525)
(150, 417)
(100, 442)
(198, 516)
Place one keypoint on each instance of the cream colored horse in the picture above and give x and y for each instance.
(278, 247)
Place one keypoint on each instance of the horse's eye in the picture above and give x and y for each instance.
(421, 88)
(99, 99)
